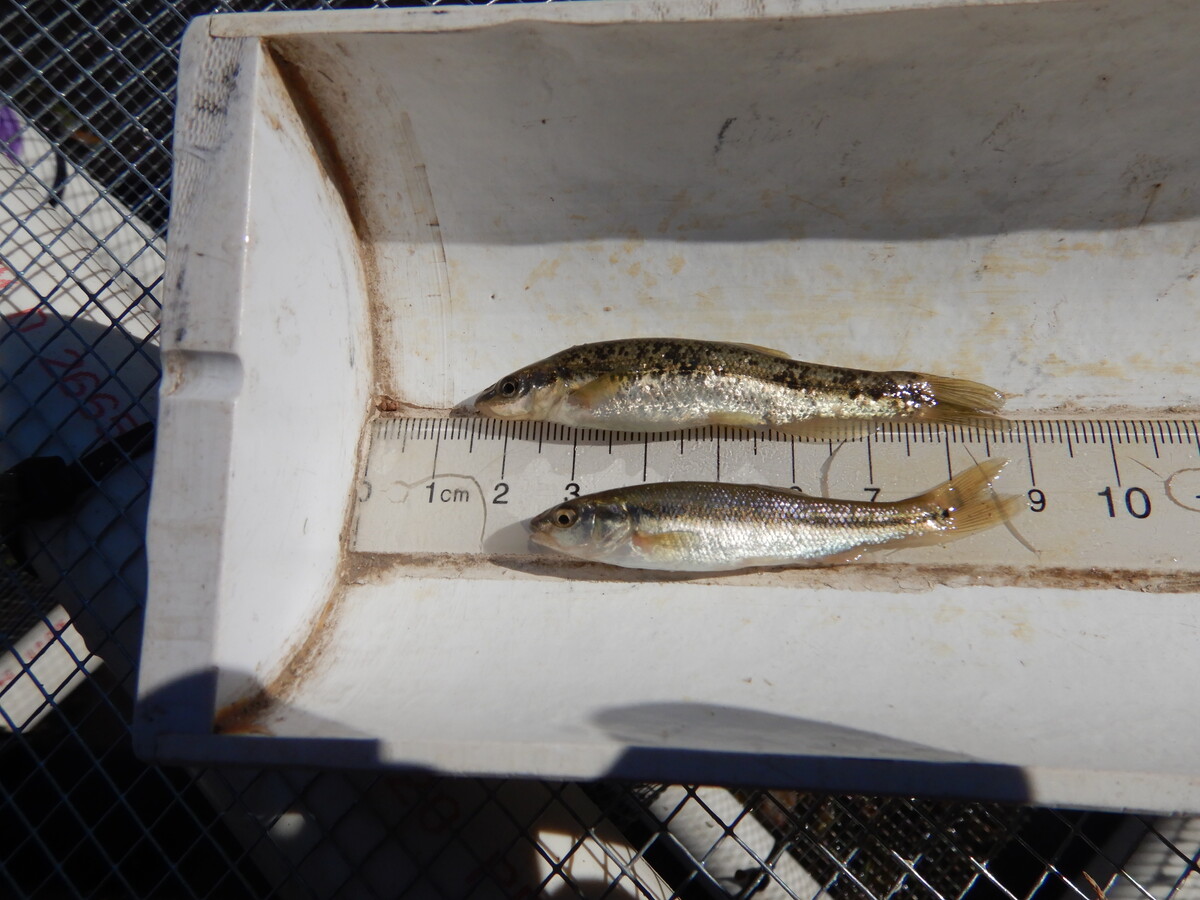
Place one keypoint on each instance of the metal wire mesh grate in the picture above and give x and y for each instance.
(87, 92)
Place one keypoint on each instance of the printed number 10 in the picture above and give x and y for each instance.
(1137, 502)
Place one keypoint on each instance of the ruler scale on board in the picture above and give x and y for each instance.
(1101, 494)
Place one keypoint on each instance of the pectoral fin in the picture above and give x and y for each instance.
(595, 393)
(667, 546)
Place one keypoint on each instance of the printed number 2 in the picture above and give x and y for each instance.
(1137, 502)
(501, 492)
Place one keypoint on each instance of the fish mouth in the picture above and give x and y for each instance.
(542, 539)
(490, 404)
(480, 401)
(468, 407)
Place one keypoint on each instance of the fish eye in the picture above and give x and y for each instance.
(565, 517)
(509, 387)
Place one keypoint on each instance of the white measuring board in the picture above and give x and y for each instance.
(1102, 495)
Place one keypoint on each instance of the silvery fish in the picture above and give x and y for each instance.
(659, 384)
(712, 527)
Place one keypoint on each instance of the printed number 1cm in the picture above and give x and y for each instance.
(1137, 502)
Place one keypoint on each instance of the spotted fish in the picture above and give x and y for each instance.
(660, 384)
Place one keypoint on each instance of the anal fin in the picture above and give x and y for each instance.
(735, 419)
(828, 428)
(840, 559)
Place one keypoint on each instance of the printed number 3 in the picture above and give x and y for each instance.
(572, 491)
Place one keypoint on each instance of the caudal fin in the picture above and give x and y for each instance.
(965, 504)
(957, 400)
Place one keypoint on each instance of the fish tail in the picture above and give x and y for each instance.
(957, 400)
(966, 504)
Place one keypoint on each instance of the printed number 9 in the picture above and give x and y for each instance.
(1037, 500)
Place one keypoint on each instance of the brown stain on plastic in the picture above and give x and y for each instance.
(248, 715)
(373, 568)
(1001, 266)
(245, 716)
(1125, 368)
(321, 138)
(1100, 368)
(325, 148)
(545, 270)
